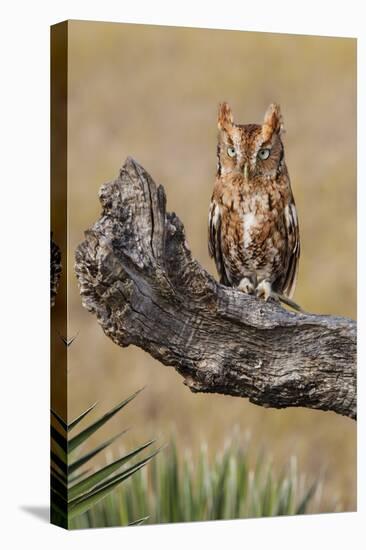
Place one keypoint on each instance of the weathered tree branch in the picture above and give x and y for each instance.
(137, 275)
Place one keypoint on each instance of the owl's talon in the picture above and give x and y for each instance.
(264, 290)
(246, 286)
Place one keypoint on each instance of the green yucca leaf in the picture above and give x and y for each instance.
(59, 486)
(125, 473)
(74, 493)
(301, 508)
(59, 419)
(79, 418)
(83, 503)
(59, 504)
(284, 499)
(88, 456)
(59, 439)
(176, 488)
(173, 489)
(138, 521)
(58, 475)
(220, 488)
(73, 478)
(59, 462)
(266, 496)
(85, 434)
(94, 479)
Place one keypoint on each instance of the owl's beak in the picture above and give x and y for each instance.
(246, 171)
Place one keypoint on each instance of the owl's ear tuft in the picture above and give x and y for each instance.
(225, 117)
(273, 122)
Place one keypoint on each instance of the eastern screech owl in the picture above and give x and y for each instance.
(253, 225)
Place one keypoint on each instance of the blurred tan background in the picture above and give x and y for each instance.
(152, 92)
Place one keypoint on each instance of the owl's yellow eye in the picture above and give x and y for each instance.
(231, 152)
(263, 154)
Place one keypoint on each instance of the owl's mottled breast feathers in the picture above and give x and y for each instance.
(253, 225)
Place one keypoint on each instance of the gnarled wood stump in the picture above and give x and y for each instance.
(137, 275)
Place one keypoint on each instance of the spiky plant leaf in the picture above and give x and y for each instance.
(138, 521)
(99, 476)
(301, 508)
(74, 477)
(83, 503)
(206, 489)
(59, 439)
(59, 420)
(59, 462)
(79, 418)
(88, 456)
(72, 495)
(87, 432)
(59, 476)
(59, 504)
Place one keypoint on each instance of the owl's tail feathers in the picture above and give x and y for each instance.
(287, 301)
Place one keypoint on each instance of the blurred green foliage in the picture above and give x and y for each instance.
(176, 488)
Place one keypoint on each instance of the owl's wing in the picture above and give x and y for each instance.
(293, 243)
(214, 241)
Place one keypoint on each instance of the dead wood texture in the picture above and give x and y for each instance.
(137, 275)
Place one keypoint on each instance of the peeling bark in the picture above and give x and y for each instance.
(137, 275)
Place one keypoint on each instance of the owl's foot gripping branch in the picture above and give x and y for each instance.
(137, 275)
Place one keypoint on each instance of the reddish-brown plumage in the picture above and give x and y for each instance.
(253, 226)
